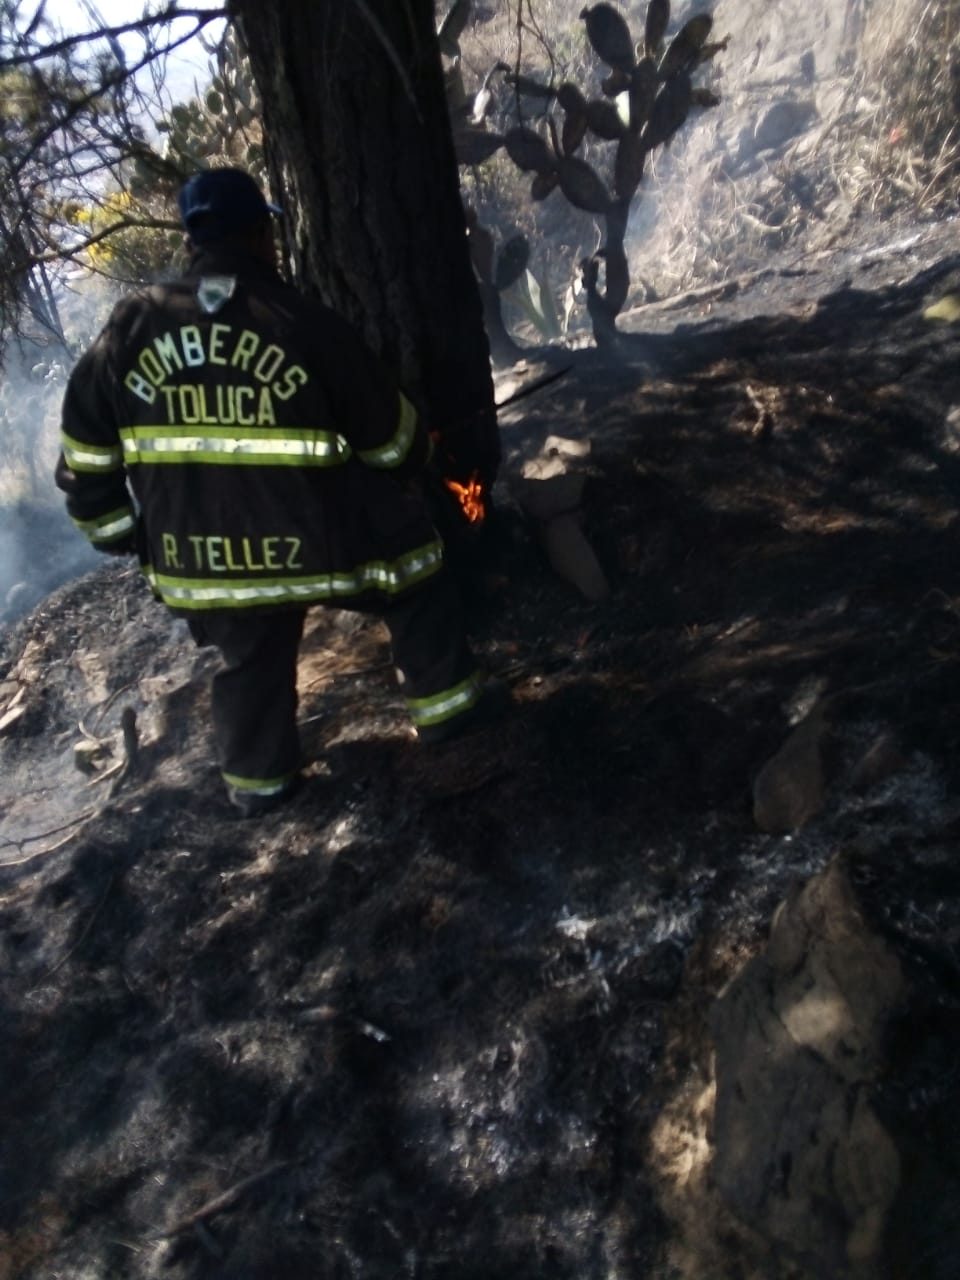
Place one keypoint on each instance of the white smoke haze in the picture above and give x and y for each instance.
(11, 558)
(39, 547)
(739, 183)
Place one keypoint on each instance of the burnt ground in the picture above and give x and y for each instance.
(428, 1020)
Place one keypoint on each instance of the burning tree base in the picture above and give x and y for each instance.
(466, 520)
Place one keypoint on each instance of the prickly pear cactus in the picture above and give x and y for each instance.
(496, 271)
(220, 125)
(646, 97)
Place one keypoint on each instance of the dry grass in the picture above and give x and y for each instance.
(908, 148)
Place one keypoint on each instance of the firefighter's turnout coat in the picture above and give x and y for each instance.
(245, 442)
(261, 440)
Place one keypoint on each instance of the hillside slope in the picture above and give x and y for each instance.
(425, 1021)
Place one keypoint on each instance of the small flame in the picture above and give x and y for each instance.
(470, 497)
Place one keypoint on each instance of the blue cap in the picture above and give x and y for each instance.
(218, 203)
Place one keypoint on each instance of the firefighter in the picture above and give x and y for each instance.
(245, 444)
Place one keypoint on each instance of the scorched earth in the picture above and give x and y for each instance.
(453, 1016)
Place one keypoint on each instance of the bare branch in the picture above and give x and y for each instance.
(42, 52)
(60, 253)
(79, 105)
(75, 137)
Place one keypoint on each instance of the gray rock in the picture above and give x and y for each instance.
(801, 1157)
(881, 761)
(790, 789)
(781, 122)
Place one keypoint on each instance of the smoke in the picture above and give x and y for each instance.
(39, 550)
(11, 559)
(39, 547)
(741, 181)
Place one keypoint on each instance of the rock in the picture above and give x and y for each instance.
(555, 458)
(564, 448)
(553, 496)
(946, 308)
(571, 555)
(882, 760)
(951, 431)
(550, 493)
(801, 1157)
(89, 756)
(781, 122)
(14, 711)
(789, 789)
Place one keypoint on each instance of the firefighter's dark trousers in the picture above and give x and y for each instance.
(255, 694)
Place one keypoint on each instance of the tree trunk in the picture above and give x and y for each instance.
(358, 135)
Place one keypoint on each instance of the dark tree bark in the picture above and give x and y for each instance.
(359, 140)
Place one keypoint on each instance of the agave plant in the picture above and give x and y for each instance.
(646, 97)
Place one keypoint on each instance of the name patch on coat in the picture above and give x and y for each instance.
(213, 553)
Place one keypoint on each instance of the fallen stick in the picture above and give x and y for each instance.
(72, 827)
(225, 1200)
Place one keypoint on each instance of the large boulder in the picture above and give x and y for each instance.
(815, 1132)
(800, 1154)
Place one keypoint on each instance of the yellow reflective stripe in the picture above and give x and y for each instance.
(206, 457)
(258, 446)
(259, 786)
(81, 456)
(396, 449)
(444, 706)
(389, 576)
(109, 527)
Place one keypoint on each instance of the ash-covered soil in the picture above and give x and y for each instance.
(427, 1020)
